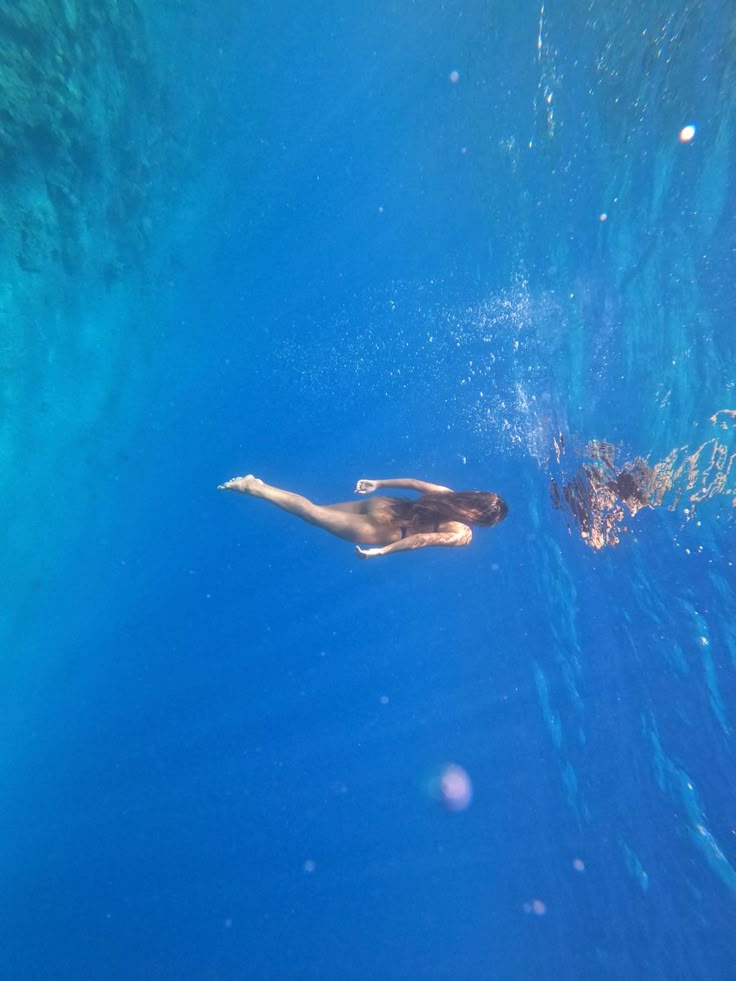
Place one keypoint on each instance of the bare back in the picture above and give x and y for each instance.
(388, 520)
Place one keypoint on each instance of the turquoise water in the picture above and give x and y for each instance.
(467, 243)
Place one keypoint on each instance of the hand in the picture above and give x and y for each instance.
(367, 553)
(366, 486)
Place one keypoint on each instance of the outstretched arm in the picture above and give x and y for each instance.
(403, 483)
(454, 535)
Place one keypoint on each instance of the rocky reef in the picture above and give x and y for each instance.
(83, 132)
(94, 153)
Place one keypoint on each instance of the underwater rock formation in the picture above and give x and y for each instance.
(92, 153)
(81, 135)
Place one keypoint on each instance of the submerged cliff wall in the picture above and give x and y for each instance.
(83, 136)
(99, 167)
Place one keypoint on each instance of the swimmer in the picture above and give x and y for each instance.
(440, 517)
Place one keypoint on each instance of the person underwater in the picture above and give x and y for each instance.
(439, 517)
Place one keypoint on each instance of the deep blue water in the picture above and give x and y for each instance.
(221, 728)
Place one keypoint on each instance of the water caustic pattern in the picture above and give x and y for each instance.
(602, 494)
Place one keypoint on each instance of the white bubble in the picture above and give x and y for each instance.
(452, 787)
(536, 906)
(454, 77)
(687, 133)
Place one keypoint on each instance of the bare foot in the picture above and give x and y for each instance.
(244, 485)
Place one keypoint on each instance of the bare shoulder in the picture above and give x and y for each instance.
(463, 533)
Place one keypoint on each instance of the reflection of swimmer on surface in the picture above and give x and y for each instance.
(600, 493)
(440, 517)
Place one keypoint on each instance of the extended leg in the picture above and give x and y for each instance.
(345, 524)
(353, 507)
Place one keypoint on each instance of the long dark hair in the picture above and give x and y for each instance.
(469, 507)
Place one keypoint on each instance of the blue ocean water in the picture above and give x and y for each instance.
(470, 243)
